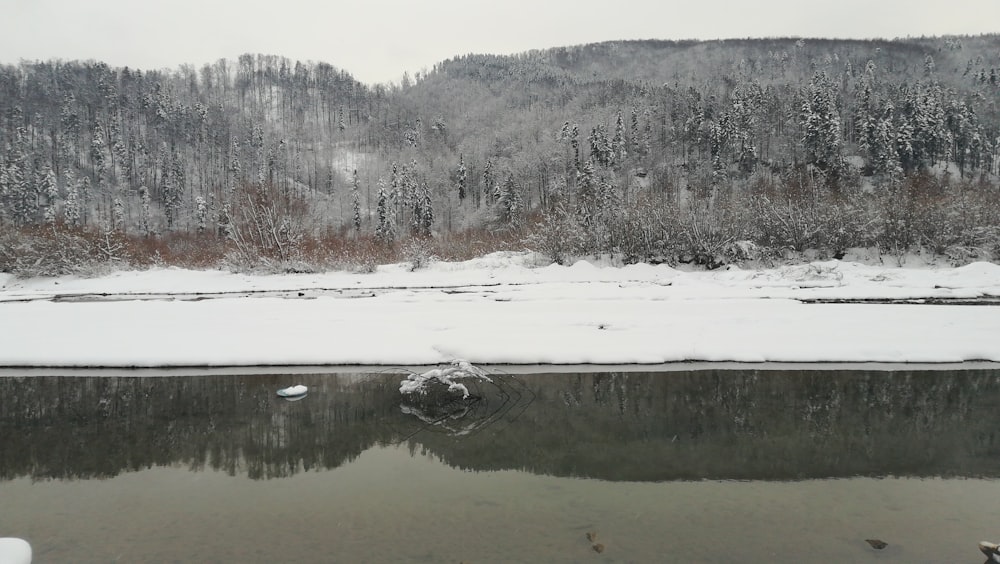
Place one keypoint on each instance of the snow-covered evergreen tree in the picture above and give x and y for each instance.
(586, 199)
(426, 210)
(574, 142)
(462, 174)
(18, 197)
(117, 215)
(489, 182)
(634, 135)
(385, 229)
(883, 147)
(201, 213)
(235, 168)
(820, 120)
(145, 212)
(356, 201)
(619, 144)
(173, 190)
(97, 157)
(71, 207)
(867, 112)
(49, 192)
(509, 202)
(601, 151)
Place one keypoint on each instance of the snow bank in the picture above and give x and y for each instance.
(500, 309)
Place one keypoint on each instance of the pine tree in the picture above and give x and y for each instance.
(866, 114)
(118, 148)
(50, 191)
(716, 140)
(883, 148)
(201, 213)
(118, 215)
(489, 182)
(821, 125)
(462, 178)
(930, 128)
(235, 167)
(601, 151)
(71, 207)
(586, 193)
(740, 123)
(69, 122)
(145, 212)
(574, 142)
(647, 133)
(608, 201)
(426, 211)
(84, 189)
(356, 201)
(97, 154)
(173, 190)
(509, 202)
(18, 199)
(619, 145)
(385, 231)
(634, 135)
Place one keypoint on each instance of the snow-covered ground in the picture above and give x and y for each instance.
(503, 309)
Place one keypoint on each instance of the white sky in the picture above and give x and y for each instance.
(376, 40)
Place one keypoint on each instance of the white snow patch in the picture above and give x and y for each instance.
(292, 391)
(500, 309)
(15, 551)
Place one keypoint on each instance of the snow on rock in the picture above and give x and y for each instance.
(292, 391)
(500, 308)
(448, 376)
(15, 551)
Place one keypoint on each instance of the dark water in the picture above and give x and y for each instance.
(700, 466)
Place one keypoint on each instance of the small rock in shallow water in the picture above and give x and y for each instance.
(592, 536)
(293, 391)
(991, 550)
(598, 548)
(877, 544)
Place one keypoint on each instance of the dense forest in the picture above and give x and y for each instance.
(704, 152)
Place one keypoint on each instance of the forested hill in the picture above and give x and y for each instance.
(650, 149)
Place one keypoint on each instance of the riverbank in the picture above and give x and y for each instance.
(504, 309)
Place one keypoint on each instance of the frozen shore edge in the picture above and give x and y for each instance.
(502, 310)
(511, 369)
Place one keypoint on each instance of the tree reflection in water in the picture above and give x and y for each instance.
(710, 424)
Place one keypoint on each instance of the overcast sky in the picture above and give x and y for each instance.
(377, 40)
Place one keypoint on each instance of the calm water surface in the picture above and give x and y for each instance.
(700, 466)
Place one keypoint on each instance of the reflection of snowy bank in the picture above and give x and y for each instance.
(502, 309)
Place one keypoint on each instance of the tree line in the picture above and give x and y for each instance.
(639, 148)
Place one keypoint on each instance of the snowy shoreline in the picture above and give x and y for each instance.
(503, 310)
(508, 369)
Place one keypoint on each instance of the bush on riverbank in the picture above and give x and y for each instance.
(959, 223)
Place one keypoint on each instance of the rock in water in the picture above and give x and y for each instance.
(877, 544)
(15, 551)
(991, 550)
(293, 391)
